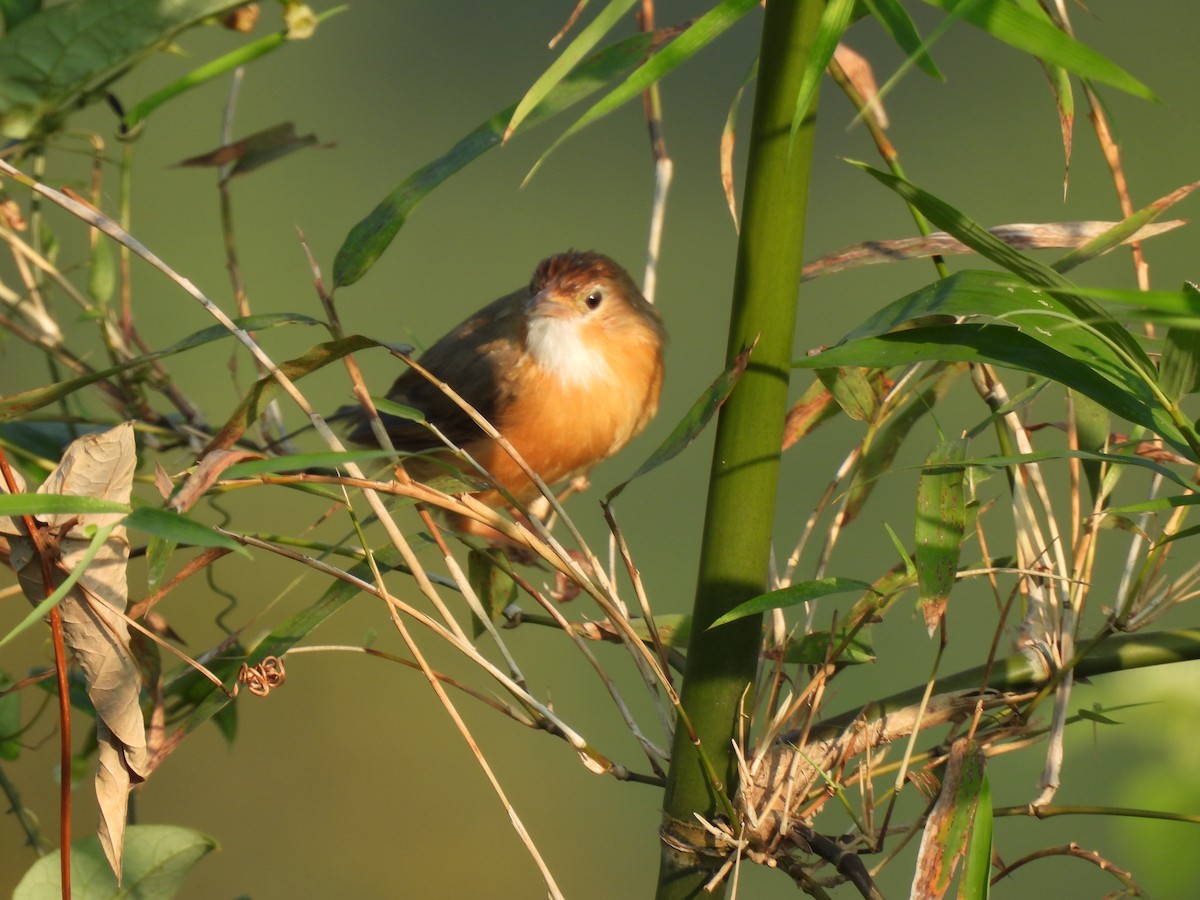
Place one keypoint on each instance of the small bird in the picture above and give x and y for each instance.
(568, 369)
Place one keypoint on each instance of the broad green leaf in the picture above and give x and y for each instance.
(17, 405)
(158, 556)
(487, 570)
(1002, 346)
(1179, 367)
(1092, 424)
(56, 504)
(172, 526)
(368, 239)
(102, 273)
(157, 859)
(979, 239)
(242, 56)
(1037, 36)
(14, 12)
(835, 18)
(1039, 315)
(976, 882)
(941, 520)
(794, 595)
(814, 649)
(66, 55)
(945, 839)
(897, 22)
(604, 22)
(692, 424)
(699, 35)
(853, 389)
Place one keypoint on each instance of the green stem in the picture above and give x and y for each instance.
(741, 498)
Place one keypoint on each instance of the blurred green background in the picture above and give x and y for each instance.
(350, 780)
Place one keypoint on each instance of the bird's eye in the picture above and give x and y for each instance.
(594, 299)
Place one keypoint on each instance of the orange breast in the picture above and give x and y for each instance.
(563, 427)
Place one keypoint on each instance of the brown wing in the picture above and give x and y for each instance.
(475, 359)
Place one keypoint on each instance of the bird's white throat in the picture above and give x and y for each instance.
(557, 346)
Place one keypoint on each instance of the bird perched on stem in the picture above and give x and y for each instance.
(568, 369)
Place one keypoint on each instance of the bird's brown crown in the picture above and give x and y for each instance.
(575, 271)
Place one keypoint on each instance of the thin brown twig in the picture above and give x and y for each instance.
(60, 670)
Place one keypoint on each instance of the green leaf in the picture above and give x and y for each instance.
(298, 462)
(1037, 36)
(1092, 424)
(10, 719)
(1122, 231)
(897, 22)
(158, 556)
(66, 55)
(1003, 347)
(399, 410)
(369, 238)
(242, 56)
(701, 33)
(263, 390)
(979, 239)
(976, 883)
(814, 649)
(156, 860)
(948, 826)
(941, 520)
(794, 595)
(693, 423)
(44, 607)
(673, 630)
(17, 405)
(885, 437)
(1179, 367)
(495, 588)
(14, 12)
(604, 22)
(102, 273)
(853, 389)
(173, 526)
(56, 504)
(835, 18)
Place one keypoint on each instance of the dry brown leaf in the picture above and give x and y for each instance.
(862, 76)
(96, 465)
(205, 475)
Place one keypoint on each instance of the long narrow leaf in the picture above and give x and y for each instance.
(897, 22)
(16, 405)
(834, 21)
(604, 22)
(941, 519)
(1004, 347)
(1037, 36)
(368, 239)
(988, 245)
(701, 33)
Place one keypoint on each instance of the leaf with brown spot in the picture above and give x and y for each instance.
(944, 840)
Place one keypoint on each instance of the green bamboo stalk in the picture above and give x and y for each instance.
(745, 469)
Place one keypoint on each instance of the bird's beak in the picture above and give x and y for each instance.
(545, 304)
